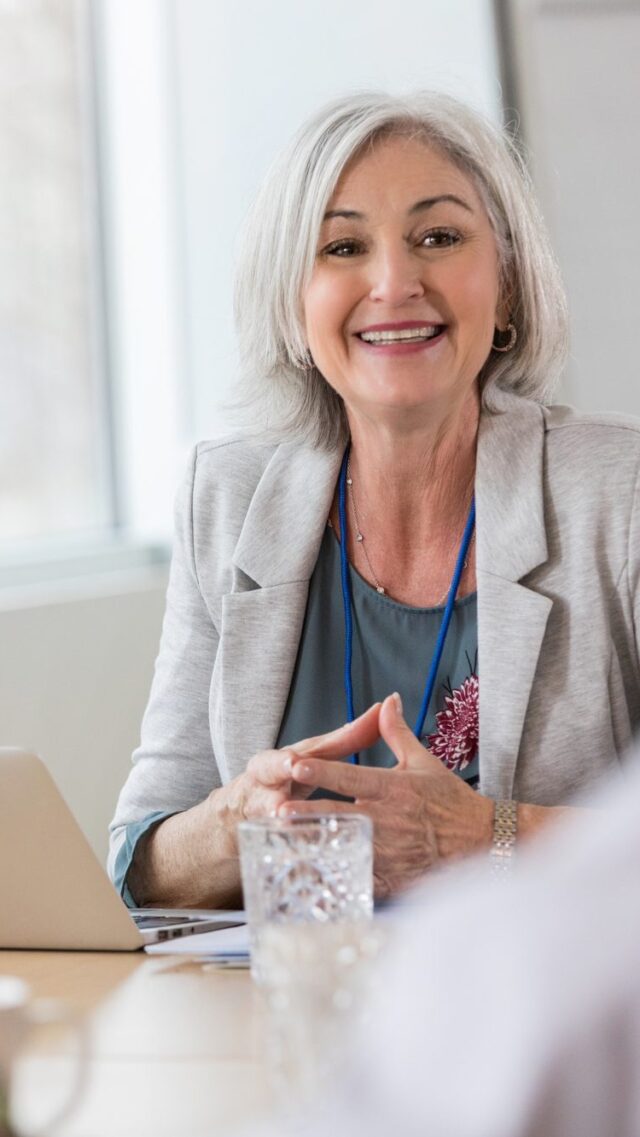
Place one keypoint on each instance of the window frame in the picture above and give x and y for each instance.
(142, 403)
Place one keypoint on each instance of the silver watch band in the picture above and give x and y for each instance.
(505, 828)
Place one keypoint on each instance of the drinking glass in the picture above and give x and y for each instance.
(308, 893)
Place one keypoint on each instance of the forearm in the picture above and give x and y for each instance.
(189, 860)
(475, 832)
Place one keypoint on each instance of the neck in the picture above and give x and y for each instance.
(419, 479)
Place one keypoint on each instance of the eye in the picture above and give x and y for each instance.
(440, 238)
(344, 248)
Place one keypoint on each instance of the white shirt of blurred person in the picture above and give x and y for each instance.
(509, 1008)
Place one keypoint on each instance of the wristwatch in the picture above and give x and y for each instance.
(505, 828)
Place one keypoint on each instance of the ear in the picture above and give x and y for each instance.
(505, 304)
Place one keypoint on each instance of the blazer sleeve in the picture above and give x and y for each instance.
(174, 767)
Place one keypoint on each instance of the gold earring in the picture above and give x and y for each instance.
(511, 343)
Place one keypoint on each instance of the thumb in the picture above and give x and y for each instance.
(399, 737)
(340, 743)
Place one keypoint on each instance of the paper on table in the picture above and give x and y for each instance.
(226, 941)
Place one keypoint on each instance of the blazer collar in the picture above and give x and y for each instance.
(283, 527)
(511, 538)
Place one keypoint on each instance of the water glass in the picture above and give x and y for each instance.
(308, 893)
(314, 869)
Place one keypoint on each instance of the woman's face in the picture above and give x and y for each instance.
(405, 249)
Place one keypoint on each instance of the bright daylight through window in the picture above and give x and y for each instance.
(54, 429)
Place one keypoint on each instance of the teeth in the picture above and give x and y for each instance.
(426, 333)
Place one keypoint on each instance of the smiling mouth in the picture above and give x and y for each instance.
(403, 335)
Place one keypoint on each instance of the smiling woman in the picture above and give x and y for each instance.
(411, 519)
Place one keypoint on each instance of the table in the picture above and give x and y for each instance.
(176, 1046)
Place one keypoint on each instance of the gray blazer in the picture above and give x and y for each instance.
(558, 555)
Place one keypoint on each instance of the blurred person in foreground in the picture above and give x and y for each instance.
(407, 515)
(507, 1008)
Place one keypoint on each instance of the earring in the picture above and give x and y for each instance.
(511, 343)
(306, 363)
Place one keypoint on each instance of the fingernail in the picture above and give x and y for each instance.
(287, 765)
(397, 702)
(286, 811)
(301, 772)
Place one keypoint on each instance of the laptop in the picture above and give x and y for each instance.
(54, 892)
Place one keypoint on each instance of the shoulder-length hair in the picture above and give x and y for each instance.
(279, 244)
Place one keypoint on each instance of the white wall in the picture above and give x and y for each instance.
(75, 669)
(247, 75)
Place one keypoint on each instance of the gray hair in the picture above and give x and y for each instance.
(279, 241)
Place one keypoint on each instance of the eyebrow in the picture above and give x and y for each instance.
(426, 203)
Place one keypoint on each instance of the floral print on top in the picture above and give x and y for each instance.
(455, 739)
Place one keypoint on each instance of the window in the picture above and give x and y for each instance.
(94, 398)
(55, 477)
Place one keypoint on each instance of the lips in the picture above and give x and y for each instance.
(418, 334)
(420, 339)
(399, 325)
(400, 332)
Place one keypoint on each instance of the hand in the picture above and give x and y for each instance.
(421, 811)
(267, 781)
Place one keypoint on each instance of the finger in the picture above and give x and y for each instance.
(346, 740)
(262, 801)
(364, 782)
(272, 768)
(311, 808)
(399, 737)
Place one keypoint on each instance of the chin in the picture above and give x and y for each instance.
(411, 396)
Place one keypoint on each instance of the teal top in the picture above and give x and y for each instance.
(392, 648)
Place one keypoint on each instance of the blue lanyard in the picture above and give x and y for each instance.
(348, 605)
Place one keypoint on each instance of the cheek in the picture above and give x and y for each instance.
(476, 302)
(326, 306)
(483, 291)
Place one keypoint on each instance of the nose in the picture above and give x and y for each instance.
(395, 275)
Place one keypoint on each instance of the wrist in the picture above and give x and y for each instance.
(223, 811)
(484, 828)
(221, 819)
(505, 828)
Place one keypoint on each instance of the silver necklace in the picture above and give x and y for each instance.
(360, 534)
(360, 539)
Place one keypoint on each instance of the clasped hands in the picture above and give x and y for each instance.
(422, 813)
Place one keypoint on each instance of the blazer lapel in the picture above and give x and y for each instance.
(262, 617)
(511, 542)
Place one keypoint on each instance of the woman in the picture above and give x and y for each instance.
(399, 304)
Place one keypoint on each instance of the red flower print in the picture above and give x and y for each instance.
(455, 741)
